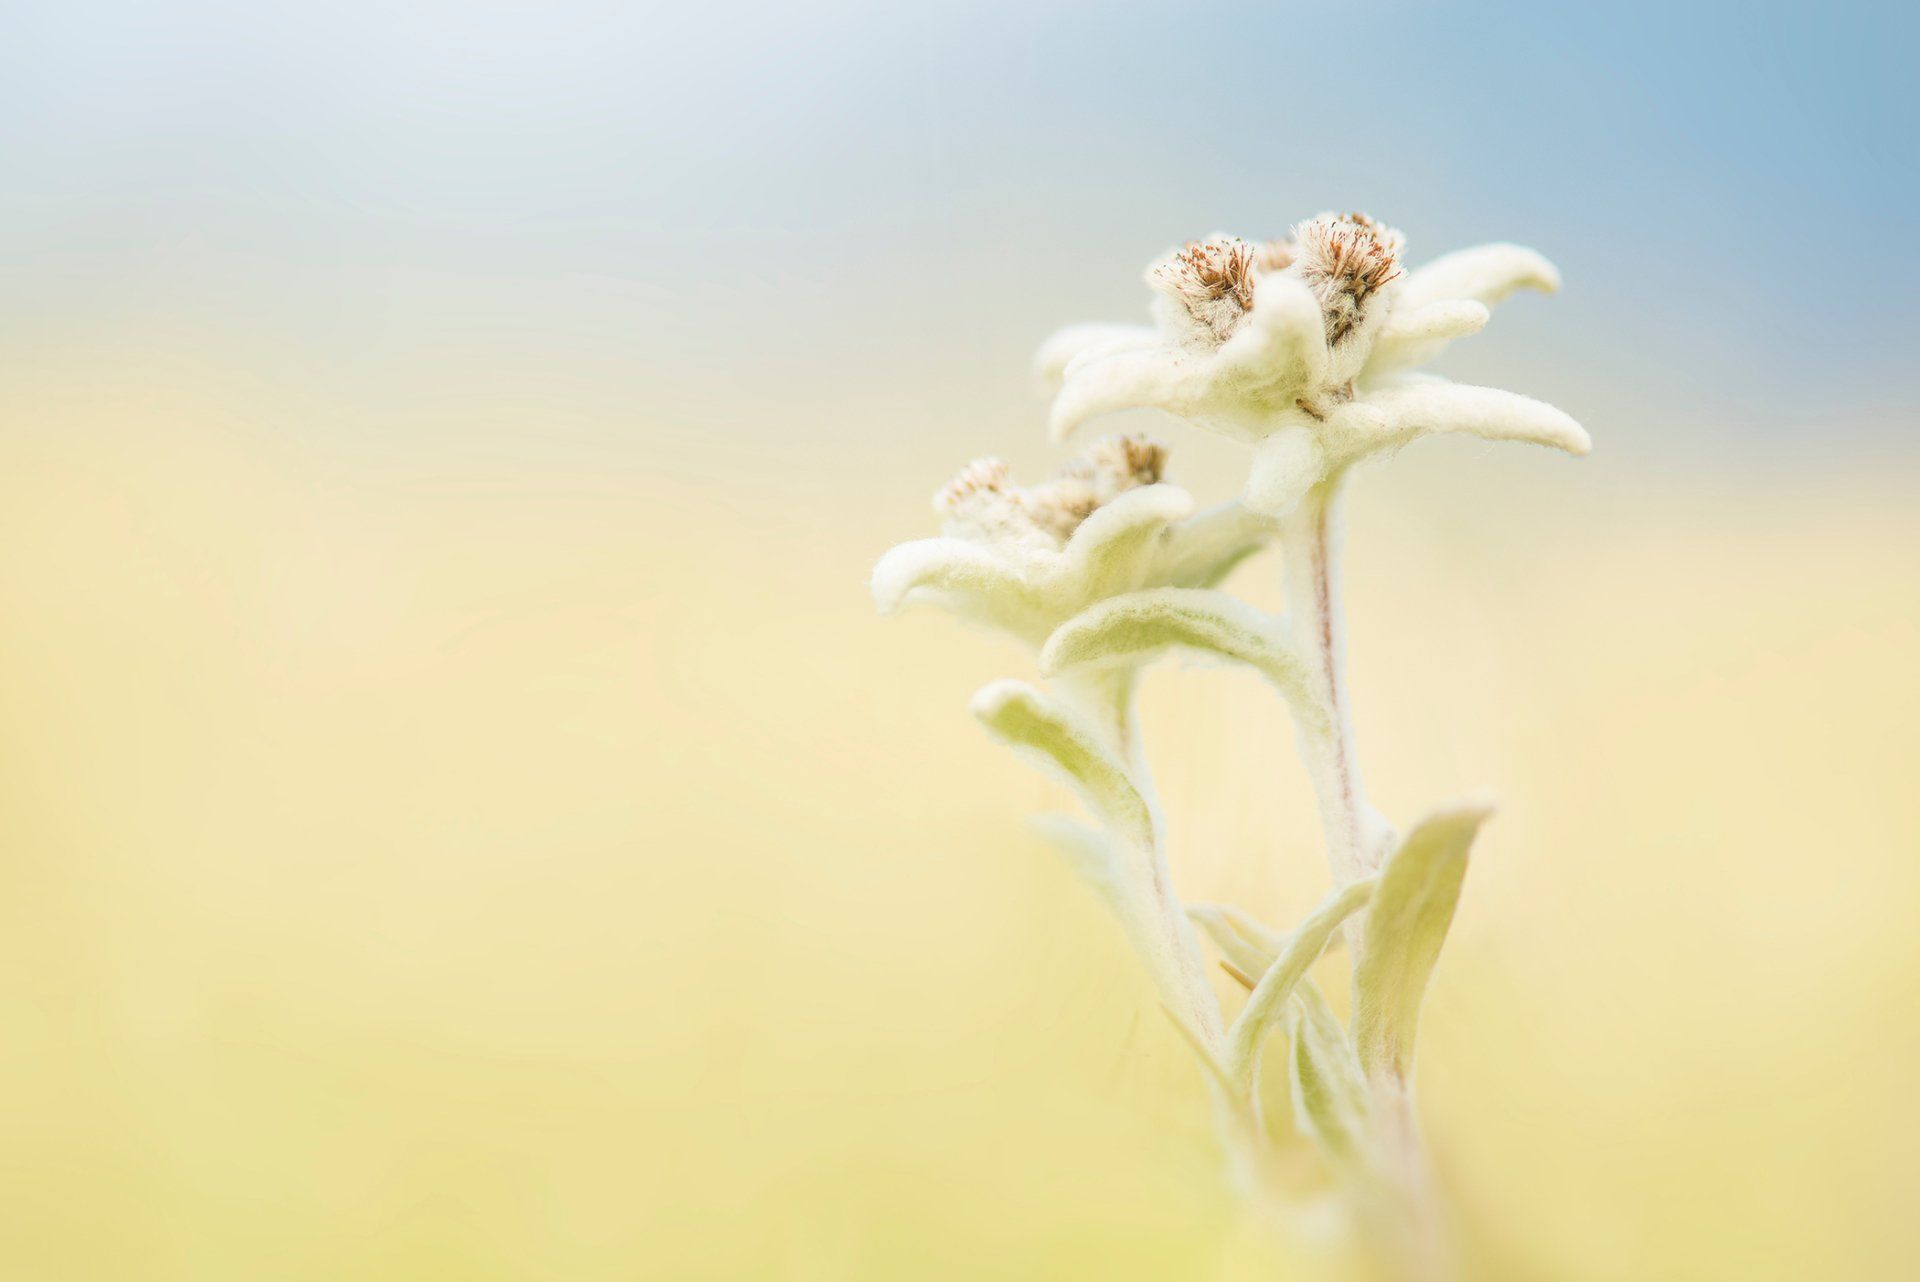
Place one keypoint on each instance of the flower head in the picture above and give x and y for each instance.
(1298, 347)
(1025, 559)
(1348, 260)
(1119, 463)
(1204, 289)
(983, 503)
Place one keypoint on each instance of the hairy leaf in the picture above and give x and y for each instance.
(1140, 626)
(1267, 1004)
(1202, 550)
(1403, 931)
(1242, 941)
(1412, 407)
(1116, 548)
(1329, 1093)
(1027, 719)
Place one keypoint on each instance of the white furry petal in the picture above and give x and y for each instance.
(1200, 552)
(1281, 345)
(1116, 548)
(1098, 383)
(1484, 274)
(1285, 466)
(1140, 538)
(1414, 336)
(964, 577)
(1407, 410)
(1064, 346)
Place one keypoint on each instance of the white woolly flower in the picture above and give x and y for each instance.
(1026, 559)
(1300, 348)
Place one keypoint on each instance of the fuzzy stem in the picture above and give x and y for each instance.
(1405, 1209)
(1166, 939)
(1401, 1205)
(1356, 835)
(1176, 959)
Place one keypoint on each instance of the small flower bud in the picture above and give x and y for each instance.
(980, 481)
(983, 504)
(1210, 284)
(1346, 259)
(1120, 463)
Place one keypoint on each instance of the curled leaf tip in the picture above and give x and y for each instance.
(1058, 737)
(947, 567)
(1487, 273)
(1473, 807)
(1063, 346)
(893, 576)
(1545, 276)
(993, 699)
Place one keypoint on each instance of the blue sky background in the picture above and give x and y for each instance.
(715, 235)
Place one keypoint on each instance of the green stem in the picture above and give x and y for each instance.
(1175, 959)
(1398, 1204)
(1357, 837)
(1172, 948)
(1402, 1210)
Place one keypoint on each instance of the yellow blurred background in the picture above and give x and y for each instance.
(505, 874)
(461, 818)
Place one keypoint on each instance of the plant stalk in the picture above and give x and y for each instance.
(1400, 1205)
(1357, 836)
(1179, 965)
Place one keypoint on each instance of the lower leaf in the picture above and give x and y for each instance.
(1402, 933)
(1329, 1093)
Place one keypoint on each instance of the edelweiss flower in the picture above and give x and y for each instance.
(1300, 348)
(1027, 559)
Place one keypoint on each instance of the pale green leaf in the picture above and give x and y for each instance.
(1116, 548)
(1246, 944)
(1138, 627)
(1203, 550)
(1402, 934)
(1267, 1004)
(1045, 728)
(960, 576)
(1329, 1093)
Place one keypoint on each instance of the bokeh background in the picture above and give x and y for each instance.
(459, 817)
